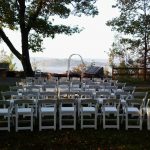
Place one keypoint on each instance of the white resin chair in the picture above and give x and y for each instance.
(88, 113)
(50, 87)
(148, 114)
(9, 95)
(110, 113)
(129, 89)
(100, 95)
(32, 95)
(5, 114)
(133, 113)
(48, 95)
(24, 113)
(83, 95)
(47, 114)
(67, 113)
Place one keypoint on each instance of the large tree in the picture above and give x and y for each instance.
(134, 22)
(35, 21)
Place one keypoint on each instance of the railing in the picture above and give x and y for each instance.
(129, 72)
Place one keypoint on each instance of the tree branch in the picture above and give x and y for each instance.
(33, 17)
(22, 14)
(9, 44)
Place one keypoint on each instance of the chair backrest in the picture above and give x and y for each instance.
(111, 102)
(129, 89)
(47, 102)
(18, 88)
(49, 87)
(67, 102)
(67, 94)
(85, 94)
(88, 101)
(122, 95)
(134, 103)
(4, 104)
(30, 95)
(9, 95)
(103, 94)
(33, 88)
(120, 85)
(140, 95)
(48, 95)
(26, 102)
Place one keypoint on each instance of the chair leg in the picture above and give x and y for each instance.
(55, 121)
(8, 123)
(140, 122)
(60, 121)
(32, 122)
(118, 120)
(126, 121)
(16, 122)
(104, 119)
(95, 121)
(74, 121)
(81, 120)
(40, 121)
(148, 122)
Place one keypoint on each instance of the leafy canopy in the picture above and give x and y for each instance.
(37, 17)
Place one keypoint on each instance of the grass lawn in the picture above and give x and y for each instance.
(68, 139)
(89, 139)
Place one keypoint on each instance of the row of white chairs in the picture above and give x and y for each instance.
(84, 108)
(71, 84)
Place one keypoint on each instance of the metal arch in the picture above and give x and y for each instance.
(69, 60)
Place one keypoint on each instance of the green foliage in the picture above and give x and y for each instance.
(134, 23)
(35, 20)
(38, 17)
(79, 69)
(4, 58)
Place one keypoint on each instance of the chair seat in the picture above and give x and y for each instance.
(3, 111)
(88, 109)
(133, 110)
(24, 110)
(110, 109)
(100, 100)
(148, 111)
(47, 109)
(67, 109)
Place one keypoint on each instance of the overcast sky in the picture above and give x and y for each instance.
(93, 42)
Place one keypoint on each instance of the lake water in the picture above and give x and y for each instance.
(54, 69)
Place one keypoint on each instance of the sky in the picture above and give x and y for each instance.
(93, 42)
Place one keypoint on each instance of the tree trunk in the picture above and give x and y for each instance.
(27, 66)
(25, 56)
(145, 57)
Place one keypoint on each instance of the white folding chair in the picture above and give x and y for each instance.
(34, 95)
(47, 114)
(83, 95)
(110, 112)
(100, 95)
(129, 89)
(88, 113)
(24, 113)
(5, 113)
(67, 113)
(9, 95)
(48, 95)
(133, 113)
(50, 87)
(148, 113)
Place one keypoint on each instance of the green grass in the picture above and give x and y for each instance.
(68, 139)
(109, 139)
